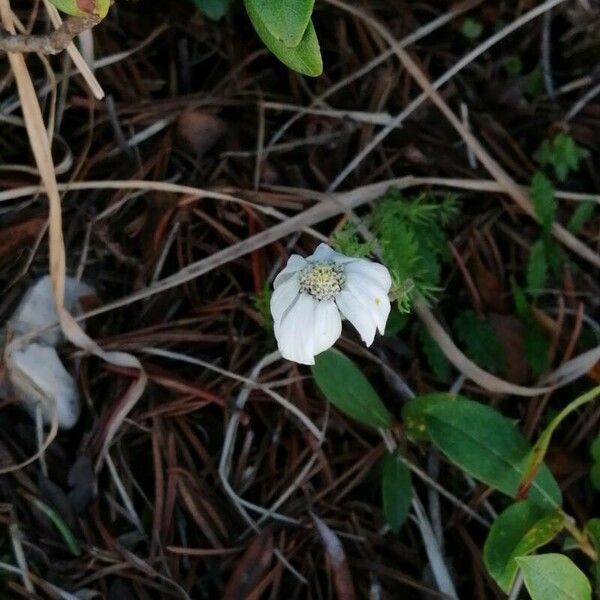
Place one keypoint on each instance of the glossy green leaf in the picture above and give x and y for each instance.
(538, 452)
(83, 8)
(488, 446)
(213, 9)
(518, 531)
(554, 577)
(396, 490)
(304, 57)
(348, 389)
(286, 20)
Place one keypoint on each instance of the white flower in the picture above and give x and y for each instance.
(310, 293)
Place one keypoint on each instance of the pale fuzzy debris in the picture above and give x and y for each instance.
(35, 371)
(40, 379)
(37, 309)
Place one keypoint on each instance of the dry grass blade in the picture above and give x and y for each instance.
(43, 156)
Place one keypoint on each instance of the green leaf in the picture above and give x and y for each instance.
(582, 214)
(537, 347)
(562, 153)
(535, 83)
(595, 448)
(513, 65)
(83, 8)
(595, 476)
(537, 267)
(471, 28)
(305, 57)
(437, 360)
(396, 488)
(538, 452)
(349, 390)
(488, 446)
(482, 343)
(593, 530)
(286, 20)
(413, 414)
(554, 577)
(60, 525)
(518, 531)
(396, 322)
(213, 9)
(543, 200)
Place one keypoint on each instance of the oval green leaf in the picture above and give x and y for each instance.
(396, 488)
(489, 447)
(305, 57)
(83, 8)
(413, 414)
(518, 531)
(349, 390)
(554, 577)
(286, 20)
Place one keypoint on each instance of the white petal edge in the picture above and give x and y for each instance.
(294, 264)
(295, 332)
(325, 253)
(328, 326)
(283, 297)
(354, 311)
(371, 297)
(374, 271)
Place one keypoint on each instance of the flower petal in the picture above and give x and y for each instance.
(294, 264)
(283, 297)
(372, 297)
(325, 253)
(353, 309)
(328, 325)
(374, 271)
(296, 332)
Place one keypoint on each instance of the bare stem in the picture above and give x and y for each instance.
(49, 43)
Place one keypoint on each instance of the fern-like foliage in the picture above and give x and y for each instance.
(409, 234)
(581, 215)
(262, 304)
(537, 267)
(543, 200)
(347, 241)
(561, 153)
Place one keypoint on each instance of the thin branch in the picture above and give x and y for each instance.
(50, 43)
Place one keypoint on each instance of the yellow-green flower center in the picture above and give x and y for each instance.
(323, 281)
